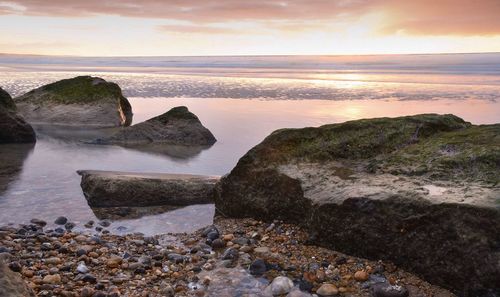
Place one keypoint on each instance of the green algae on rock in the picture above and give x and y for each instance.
(421, 191)
(83, 100)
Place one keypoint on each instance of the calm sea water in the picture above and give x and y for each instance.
(241, 100)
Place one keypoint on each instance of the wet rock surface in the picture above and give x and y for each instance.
(177, 126)
(81, 101)
(13, 127)
(122, 189)
(12, 284)
(184, 265)
(421, 191)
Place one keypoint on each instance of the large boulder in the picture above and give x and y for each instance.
(177, 126)
(13, 128)
(12, 284)
(80, 101)
(421, 191)
(127, 189)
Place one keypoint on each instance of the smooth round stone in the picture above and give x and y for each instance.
(61, 221)
(281, 285)
(387, 290)
(52, 279)
(114, 262)
(361, 276)
(69, 226)
(258, 267)
(176, 258)
(213, 235)
(240, 241)
(327, 290)
(38, 222)
(262, 250)
(218, 244)
(53, 261)
(208, 230)
(230, 254)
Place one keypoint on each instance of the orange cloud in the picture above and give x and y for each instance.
(419, 17)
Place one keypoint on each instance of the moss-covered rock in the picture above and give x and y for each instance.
(422, 191)
(177, 126)
(83, 100)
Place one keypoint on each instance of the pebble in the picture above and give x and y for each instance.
(218, 244)
(75, 265)
(327, 290)
(230, 254)
(53, 261)
(258, 267)
(114, 262)
(89, 278)
(208, 230)
(52, 279)
(61, 221)
(262, 250)
(69, 226)
(387, 290)
(176, 258)
(105, 223)
(240, 241)
(82, 268)
(361, 276)
(213, 235)
(281, 285)
(38, 222)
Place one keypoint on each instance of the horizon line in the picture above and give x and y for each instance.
(259, 55)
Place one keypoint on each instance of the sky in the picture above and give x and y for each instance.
(256, 27)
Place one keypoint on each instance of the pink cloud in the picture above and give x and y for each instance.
(421, 17)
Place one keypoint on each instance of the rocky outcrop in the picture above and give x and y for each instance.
(421, 191)
(13, 128)
(79, 101)
(178, 126)
(122, 189)
(11, 283)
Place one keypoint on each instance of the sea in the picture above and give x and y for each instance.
(241, 99)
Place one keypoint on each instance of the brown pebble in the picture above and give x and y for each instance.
(361, 276)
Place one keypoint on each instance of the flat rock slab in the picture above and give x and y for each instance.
(127, 189)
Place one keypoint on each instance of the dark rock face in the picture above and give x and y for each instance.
(178, 126)
(79, 101)
(121, 189)
(13, 128)
(6, 100)
(11, 283)
(421, 191)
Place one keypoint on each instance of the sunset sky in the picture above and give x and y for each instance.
(257, 27)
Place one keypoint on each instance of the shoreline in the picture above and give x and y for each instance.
(86, 264)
